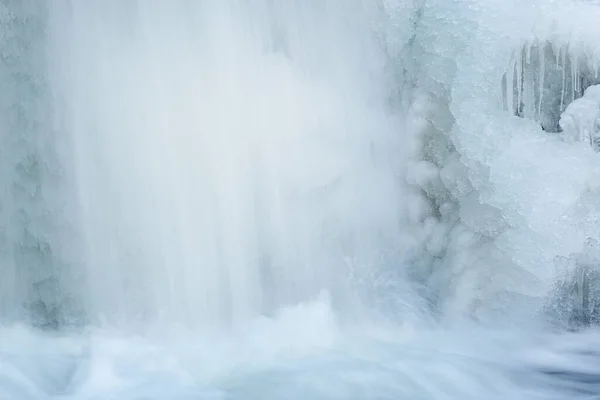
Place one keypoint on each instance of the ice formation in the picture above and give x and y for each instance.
(510, 196)
(580, 122)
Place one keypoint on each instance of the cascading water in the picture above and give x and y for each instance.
(298, 199)
(223, 171)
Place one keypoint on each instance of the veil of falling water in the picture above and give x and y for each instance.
(299, 199)
(230, 157)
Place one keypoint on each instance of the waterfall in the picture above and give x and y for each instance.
(220, 170)
(299, 199)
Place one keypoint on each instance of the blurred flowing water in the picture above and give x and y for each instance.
(360, 199)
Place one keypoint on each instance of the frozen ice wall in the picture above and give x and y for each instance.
(36, 261)
(512, 195)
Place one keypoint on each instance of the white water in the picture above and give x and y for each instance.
(226, 165)
(302, 199)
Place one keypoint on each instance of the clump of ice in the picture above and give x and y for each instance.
(580, 122)
(576, 300)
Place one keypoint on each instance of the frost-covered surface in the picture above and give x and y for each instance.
(521, 192)
(37, 242)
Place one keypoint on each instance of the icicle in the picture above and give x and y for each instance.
(502, 94)
(564, 80)
(509, 86)
(528, 94)
(520, 75)
(573, 76)
(542, 76)
(579, 78)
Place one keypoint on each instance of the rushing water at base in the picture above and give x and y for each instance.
(282, 359)
(324, 199)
